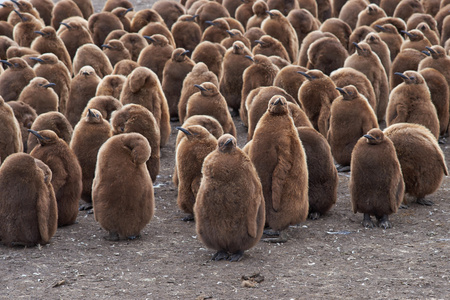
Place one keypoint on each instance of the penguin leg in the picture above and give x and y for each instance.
(113, 236)
(367, 221)
(236, 256)
(423, 201)
(85, 206)
(220, 255)
(280, 236)
(384, 222)
(314, 215)
(342, 168)
(188, 218)
(442, 140)
(134, 237)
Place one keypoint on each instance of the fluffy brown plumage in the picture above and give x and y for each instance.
(15, 78)
(111, 85)
(39, 95)
(10, 135)
(155, 55)
(25, 115)
(91, 55)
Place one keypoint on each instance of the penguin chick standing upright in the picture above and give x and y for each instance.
(38, 95)
(229, 209)
(66, 170)
(10, 135)
(122, 191)
(15, 78)
(376, 181)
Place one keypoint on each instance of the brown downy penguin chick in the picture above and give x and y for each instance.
(38, 95)
(198, 75)
(290, 80)
(10, 135)
(190, 154)
(316, 96)
(407, 8)
(234, 65)
(54, 121)
(339, 29)
(438, 60)
(6, 7)
(235, 35)
(278, 26)
(268, 46)
(115, 35)
(439, 91)
(158, 28)
(210, 102)
(134, 42)
(121, 13)
(116, 51)
(389, 6)
(326, 54)
(106, 105)
(186, 32)
(445, 33)
(408, 59)
(101, 24)
(422, 160)
(372, 13)
(175, 70)
(381, 49)
(25, 115)
(66, 173)
(123, 204)
(417, 18)
(137, 118)
(323, 178)
(350, 11)
(359, 35)
(6, 29)
(368, 63)
(25, 31)
(144, 17)
(15, 78)
(155, 55)
(111, 4)
(231, 6)
(49, 67)
(170, 11)
(245, 11)
(62, 10)
(349, 76)
(303, 22)
(430, 34)
(124, 67)
(417, 40)
(230, 193)
(143, 87)
(5, 44)
(261, 73)
(111, 85)
(49, 42)
(44, 8)
(24, 7)
(88, 136)
(376, 182)
(209, 11)
(279, 158)
(389, 34)
(307, 41)
(82, 89)
(216, 32)
(260, 10)
(324, 10)
(211, 54)
(22, 52)
(431, 7)
(298, 115)
(85, 7)
(91, 55)
(74, 37)
(410, 102)
(28, 212)
(253, 34)
(351, 117)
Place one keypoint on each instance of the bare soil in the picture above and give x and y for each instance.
(333, 257)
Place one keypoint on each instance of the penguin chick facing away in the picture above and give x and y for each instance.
(376, 181)
(229, 209)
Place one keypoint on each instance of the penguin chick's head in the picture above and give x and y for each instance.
(274, 14)
(436, 51)
(278, 105)
(363, 49)
(87, 71)
(238, 47)
(375, 136)
(45, 137)
(312, 74)
(194, 131)
(226, 143)
(348, 92)
(207, 89)
(179, 54)
(411, 77)
(94, 116)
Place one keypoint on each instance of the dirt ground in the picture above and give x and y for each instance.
(333, 257)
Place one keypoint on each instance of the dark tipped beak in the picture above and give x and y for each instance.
(402, 75)
(380, 27)
(128, 10)
(304, 74)
(369, 137)
(37, 59)
(229, 141)
(270, 14)
(91, 114)
(230, 33)
(185, 131)
(2, 5)
(85, 73)
(40, 32)
(426, 53)
(407, 33)
(185, 52)
(341, 90)
(6, 62)
(200, 87)
(210, 23)
(431, 50)
(149, 38)
(278, 101)
(193, 18)
(40, 137)
(20, 15)
(259, 42)
(65, 24)
(249, 57)
(49, 85)
(357, 46)
(106, 46)
(15, 2)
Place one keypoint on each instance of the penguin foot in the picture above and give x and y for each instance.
(86, 206)
(113, 236)
(281, 237)
(383, 222)
(134, 237)
(403, 206)
(314, 216)
(220, 255)
(423, 201)
(367, 221)
(342, 168)
(442, 140)
(236, 256)
(188, 218)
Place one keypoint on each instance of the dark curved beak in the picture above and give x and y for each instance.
(304, 74)
(49, 85)
(341, 90)
(6, 62)
(278, 101)
(229, 141)
(185, 131)
(37, 59)
(230, 33)
(185, 52)
(149, 38)
(380, 27)
(65, 24)
(259, 42)
(270, 14)
(369, 137)
(431, 50)
(91, 114)
(249, 57)
(426, 53)
(15, 2)
(402, 75)
(210, 23)
(40, 32)
(2, 5)
(407, 33)
(200, 87)
(20, 15)
(193, 18)
(356, 45)
(106, 46)
(127, 11)
(40, 137)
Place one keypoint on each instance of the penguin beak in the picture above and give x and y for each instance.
(259, 42)
(193, 18)
(184, 53)
(6, 63)
(40, 32)
(2, 5)
(369, 137)
(185, 131)
(49, 85)
(304, 74)
(85, 73)
(341, 90)
(278, 101)
(37, 59)
(229, 141)
(407, 33)
(431, 50)
(65, 24)
(91, 114)
(210, 23)
(426, 53)
(249, 57)
(230, 33)
(40, 137)
(20, 15)
(236, 47)
(270, 14)
(200, 87)
(357, 46)
(380, 27)
(127, 11)
(106, 46)
(15, 2)
(149, 38)
(402, 75)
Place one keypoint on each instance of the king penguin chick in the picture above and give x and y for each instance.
(408, 59)
(25, 115)
(229, 209)
(376, 182)
(111, 85)
(10, 135)
(106, 105)
(186, 32)
(269, 46)
(101, 24)
(74, 37)
(212, 55)
(116, 51)
(91, 55)
(40, 96)
(66, 173)
(326, 54)
(155, 55)
(15, 78)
